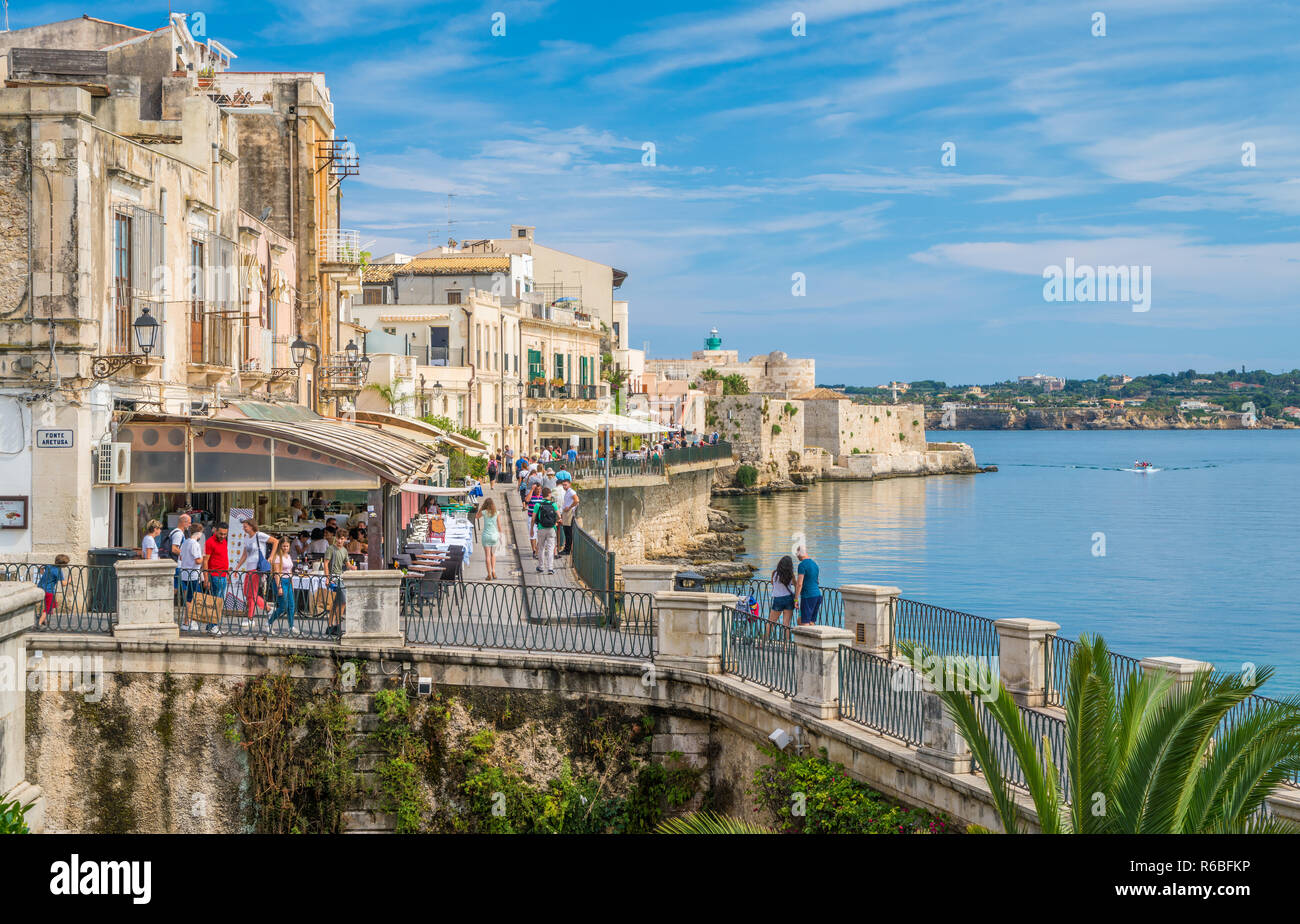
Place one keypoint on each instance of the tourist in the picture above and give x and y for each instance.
(188, 568)
(568, 511)
(545, 517)
(519, 466)
(783, 589)
(171, 546)
(318, 545)
(254, 561)
(548, 480)
(216, 566)
(282, 582)
(149, 546)
(806, 587)
(534, 498)
(572, 456)
(354, 542)
(490, 537)
(336, 563)
(301, 542)
(493, 464)
(296, 512)
(52, 577)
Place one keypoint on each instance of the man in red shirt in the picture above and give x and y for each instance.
(216, 562)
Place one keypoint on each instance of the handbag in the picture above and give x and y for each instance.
(263, 563)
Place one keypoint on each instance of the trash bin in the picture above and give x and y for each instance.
(103, 580)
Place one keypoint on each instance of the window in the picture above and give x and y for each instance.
(391, 331)
(122, 282)
(616, 337)
(373, 297)
(439, 354)
(453, 297)
(197, 305)
(522, 233)
(559, 365)
(536, 368)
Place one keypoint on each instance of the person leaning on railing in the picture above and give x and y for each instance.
(336, 562)
(51, 579)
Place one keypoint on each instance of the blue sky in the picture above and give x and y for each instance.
(821, 154)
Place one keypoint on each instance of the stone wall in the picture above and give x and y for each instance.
(844, 428)
(657, 518)
(765, 431)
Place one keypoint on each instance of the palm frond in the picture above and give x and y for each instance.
(710, 823)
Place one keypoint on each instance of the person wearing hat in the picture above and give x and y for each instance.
(568, 504)
(549, 481)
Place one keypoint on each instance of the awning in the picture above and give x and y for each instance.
(436, 492)
(390, 456)
(594, 422)
(422, 432)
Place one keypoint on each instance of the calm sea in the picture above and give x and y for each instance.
(1197, 560)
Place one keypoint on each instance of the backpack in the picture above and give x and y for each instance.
(546, 516)
(167, 548)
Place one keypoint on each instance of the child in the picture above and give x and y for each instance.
(51, 577)
(491, 536)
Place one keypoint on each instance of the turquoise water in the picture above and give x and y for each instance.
(1200, 557)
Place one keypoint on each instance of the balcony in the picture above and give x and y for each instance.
(444, 356)
(212, 336)
(339, 248)
(338, 376)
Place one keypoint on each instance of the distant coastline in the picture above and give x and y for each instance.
(1091, 419)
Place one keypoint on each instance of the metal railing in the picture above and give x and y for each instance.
(943, 631)
(705, 453)
(590, 562)
(831, 612)
(1041, 725)
(1060, 651)
(595, 468)
(880, 694)
(444, 356)
(758, 649)
(1242, 711)
(311, 608)
(470, 614)
(83, 600)
(339, 246)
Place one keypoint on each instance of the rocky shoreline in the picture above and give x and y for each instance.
(714, 553)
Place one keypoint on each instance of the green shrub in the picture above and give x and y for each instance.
(776, 429)
(746, 476)
(13, 817)
(811, 795)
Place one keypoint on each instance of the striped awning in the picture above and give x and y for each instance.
(422, 432)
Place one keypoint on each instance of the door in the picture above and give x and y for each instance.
(197, 307)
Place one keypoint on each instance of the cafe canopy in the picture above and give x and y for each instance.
(255, 445)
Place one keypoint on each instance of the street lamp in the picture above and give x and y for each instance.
(145, 329)
(298, 350)
(350, 351)
(437, 390)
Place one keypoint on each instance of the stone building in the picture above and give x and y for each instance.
(833, 422)
(145, 275)
(774, 373)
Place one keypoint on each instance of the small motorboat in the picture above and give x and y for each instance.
(1141, 464)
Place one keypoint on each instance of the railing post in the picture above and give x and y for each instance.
(1183, 670)
(146, 599)
(868, 616)
(1022, 658)
(942, 743)
(689, 630)
(19, 604)
(648, 579)
(372, 608)
(817, 669)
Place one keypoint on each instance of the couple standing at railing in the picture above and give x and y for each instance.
(796, 587)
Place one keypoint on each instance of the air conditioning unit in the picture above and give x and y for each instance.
(113, 464)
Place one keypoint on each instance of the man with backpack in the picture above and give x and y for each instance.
(545, 518)
(169, 546)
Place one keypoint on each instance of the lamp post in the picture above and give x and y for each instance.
(298, 351)
(145, 328)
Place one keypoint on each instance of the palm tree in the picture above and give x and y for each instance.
(1198, 758)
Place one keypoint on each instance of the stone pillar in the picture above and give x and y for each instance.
(647, 579)
(868, 615)
(1022, 658)
(146, 599)
(19, 604)
(817, 669)
(1181, 669)
(688, 631)
(372, 612)
(942, 744)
